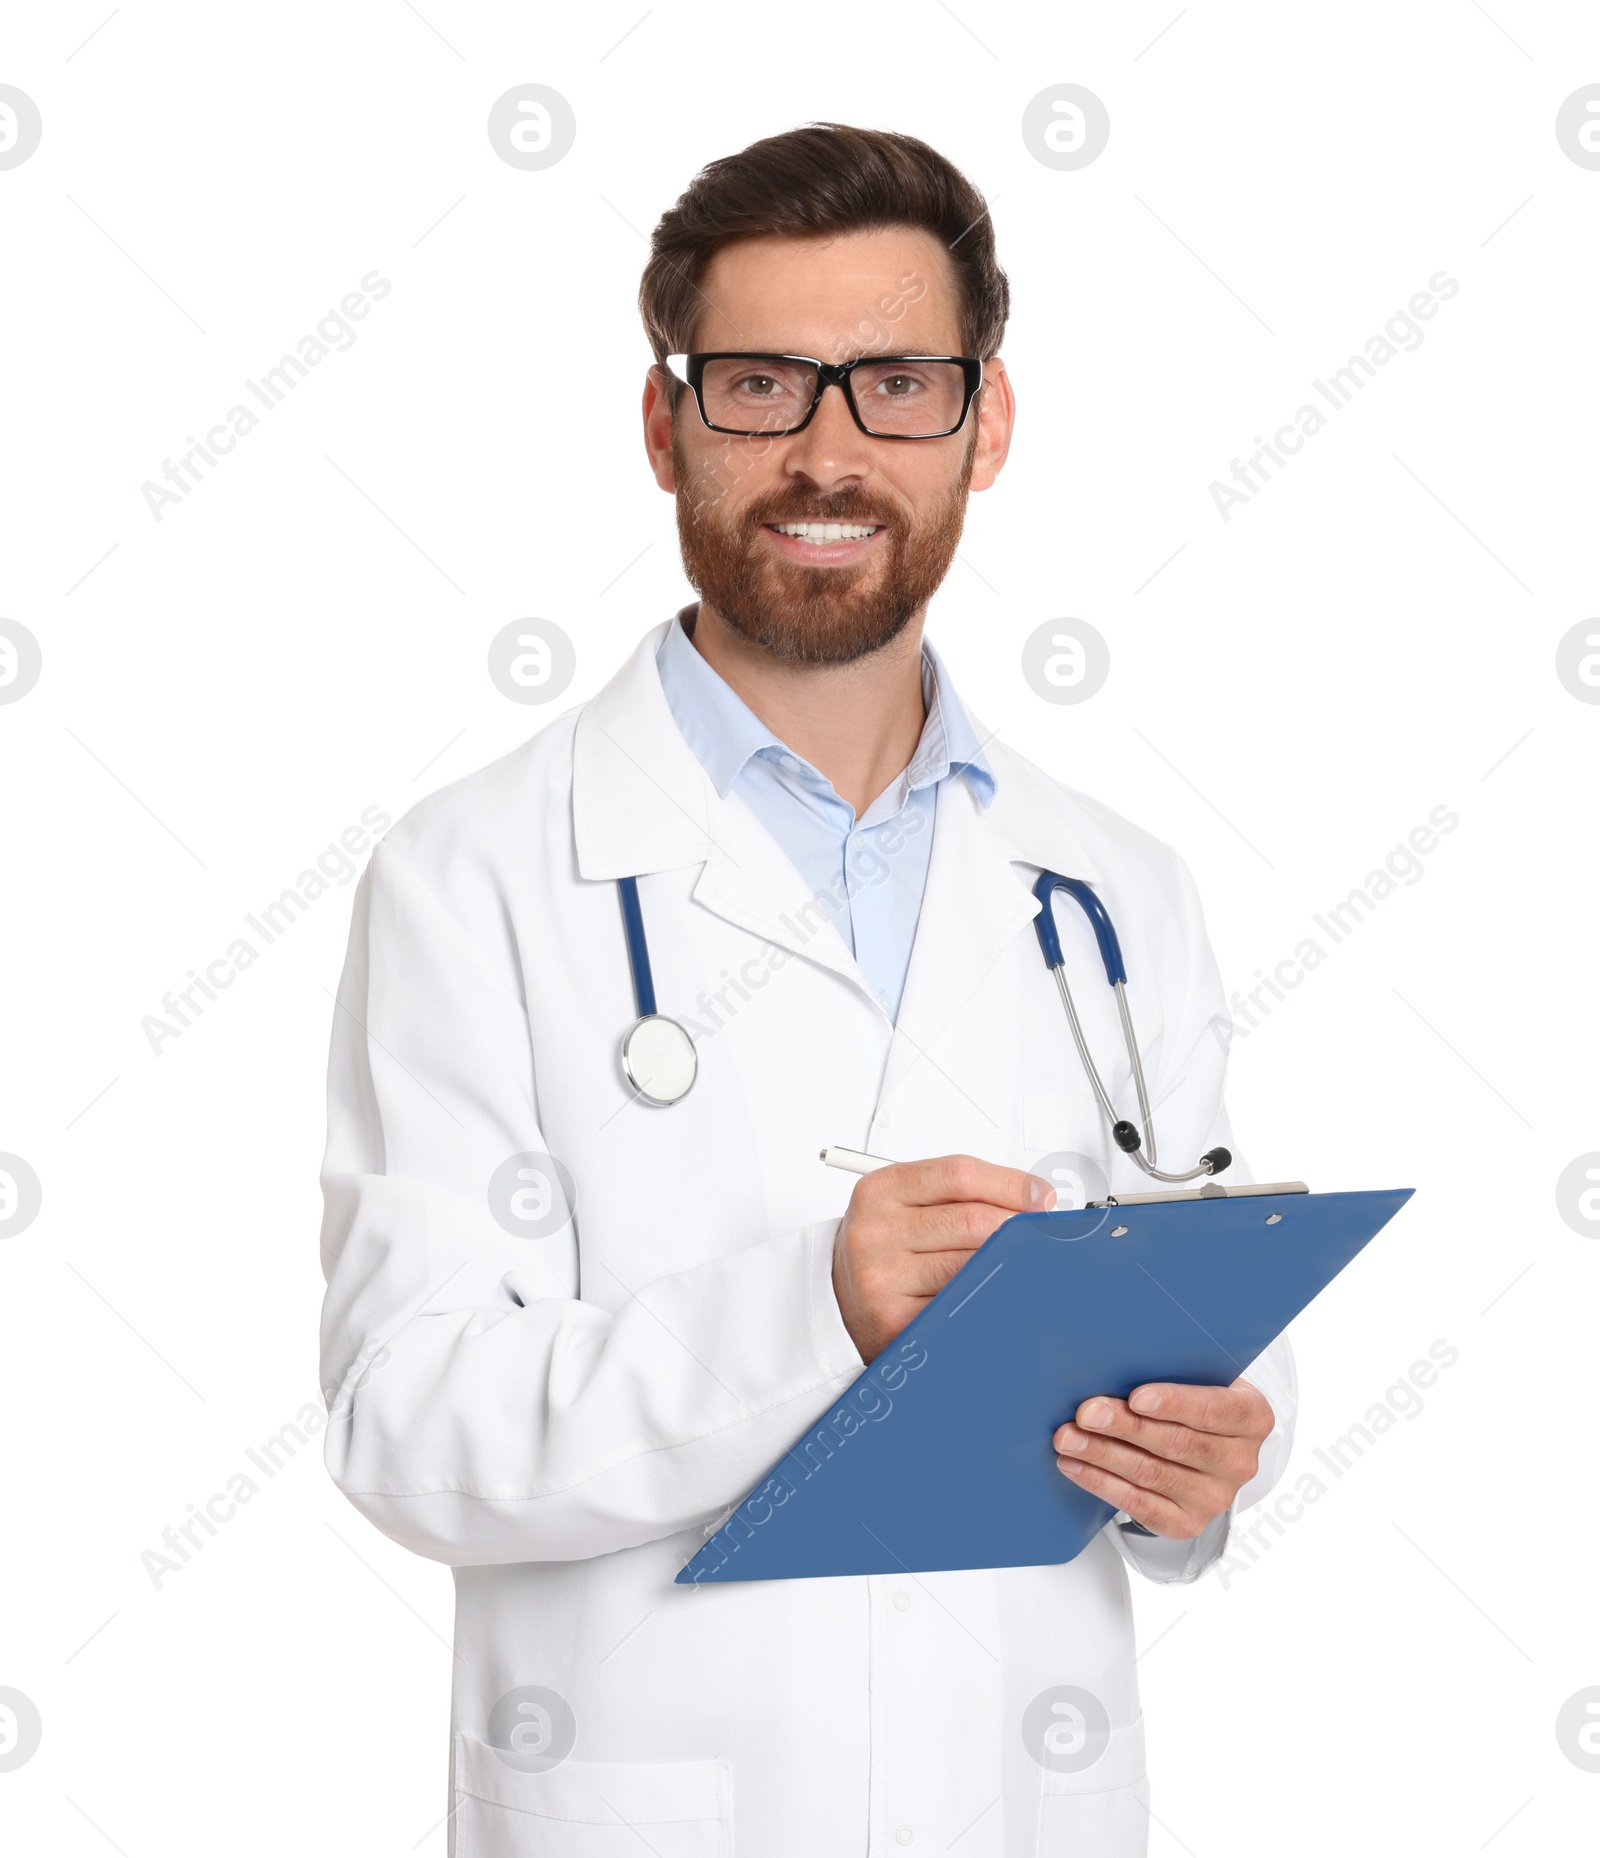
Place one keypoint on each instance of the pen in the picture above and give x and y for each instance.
(853, 1161)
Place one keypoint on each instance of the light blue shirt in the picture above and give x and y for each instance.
(868, 874)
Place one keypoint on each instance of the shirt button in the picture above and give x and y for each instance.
(788, 764)
(901, 1601)
(903, 1835)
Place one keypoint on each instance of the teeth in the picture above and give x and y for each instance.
(828, 532)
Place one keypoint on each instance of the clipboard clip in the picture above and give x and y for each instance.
(1213, 1190)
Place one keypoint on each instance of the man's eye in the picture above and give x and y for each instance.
(897, 386)
(758, 386)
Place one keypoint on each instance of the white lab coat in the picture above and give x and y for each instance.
(564, 1418)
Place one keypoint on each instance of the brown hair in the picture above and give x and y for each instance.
(813, 181)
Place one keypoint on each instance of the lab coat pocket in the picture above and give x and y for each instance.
(1102, 1808)
(590, 1809)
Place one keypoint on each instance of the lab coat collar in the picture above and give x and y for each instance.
(1031, 820)
(642, 803)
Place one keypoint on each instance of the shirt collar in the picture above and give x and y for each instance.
(725, 732)
(949, 744)
(717, 723)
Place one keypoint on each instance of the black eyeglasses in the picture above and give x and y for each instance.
(889, 396)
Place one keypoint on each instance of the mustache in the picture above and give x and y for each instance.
(843, 506)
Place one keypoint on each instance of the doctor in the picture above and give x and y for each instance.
(566, 1329)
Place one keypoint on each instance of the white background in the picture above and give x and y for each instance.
(225, 690)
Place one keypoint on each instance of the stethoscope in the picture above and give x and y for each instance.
(658, 1056)
(1123, 1133)
(659, 1059)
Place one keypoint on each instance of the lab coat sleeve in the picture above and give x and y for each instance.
(1188, 1100)
(480, 1414)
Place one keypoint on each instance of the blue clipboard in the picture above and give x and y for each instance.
(939, 1455)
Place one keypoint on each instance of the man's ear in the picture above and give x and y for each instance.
(657, 415)
(996, 411)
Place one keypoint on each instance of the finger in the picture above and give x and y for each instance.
(965, 1177)
(923, 1274)
(928, 1273)
(949, 1225)
(1239, 1411)
(1179, 1483)
(1158, 1514)
(1227, 1454)
(954, 1225)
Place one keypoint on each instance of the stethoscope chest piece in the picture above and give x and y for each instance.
(659, 1059)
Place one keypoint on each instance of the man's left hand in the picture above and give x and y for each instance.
(1173, 1457)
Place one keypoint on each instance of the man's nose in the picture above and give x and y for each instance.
(833, 448)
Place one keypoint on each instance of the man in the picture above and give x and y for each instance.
(833, 866)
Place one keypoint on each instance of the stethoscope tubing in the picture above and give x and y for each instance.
(1142, 1148)
(644, 986)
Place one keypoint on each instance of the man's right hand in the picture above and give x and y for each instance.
(910, 1227)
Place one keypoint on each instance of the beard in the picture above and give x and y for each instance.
(819, 616)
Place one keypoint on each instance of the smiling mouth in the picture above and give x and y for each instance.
(825, 532)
